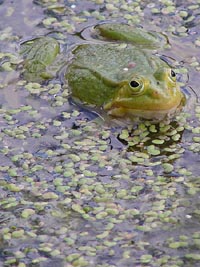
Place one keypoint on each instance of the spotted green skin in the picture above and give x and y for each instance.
(129, 34)
(102, 74)
(39, 53)
(119, 74)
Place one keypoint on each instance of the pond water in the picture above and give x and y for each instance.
(76, 190)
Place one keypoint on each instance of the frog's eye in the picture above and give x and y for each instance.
(136, 86)
(172, 75)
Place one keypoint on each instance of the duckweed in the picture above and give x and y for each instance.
(193, 256)
(146, 258)
(18, 233)
(50, 195)
(175, 245)
(168, 167)
(26, 213)
(153, 150)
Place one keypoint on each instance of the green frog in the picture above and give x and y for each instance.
(120, 74)
(40, 55)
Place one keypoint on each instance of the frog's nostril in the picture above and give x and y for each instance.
(156, 94)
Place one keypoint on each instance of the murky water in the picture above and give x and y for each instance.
(78, 191)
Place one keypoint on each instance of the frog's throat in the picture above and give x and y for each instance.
(120, 111)
(146, 114)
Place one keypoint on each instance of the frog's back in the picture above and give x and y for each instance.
(131, 34)
(109, 59)
(97, 70)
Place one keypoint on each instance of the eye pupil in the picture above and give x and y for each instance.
(173, 74)
(134, 84)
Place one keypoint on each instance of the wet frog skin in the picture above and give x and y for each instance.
(39, 54)
(121, 74)
(124, 79)
(133, 84)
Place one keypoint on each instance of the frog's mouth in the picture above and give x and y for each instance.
(119, 108)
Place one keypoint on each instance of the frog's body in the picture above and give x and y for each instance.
(124, 79)
(40, 53)
(109, 84)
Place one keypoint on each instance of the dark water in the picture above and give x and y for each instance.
(78, 191)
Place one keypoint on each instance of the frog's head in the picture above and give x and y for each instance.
(151, 96)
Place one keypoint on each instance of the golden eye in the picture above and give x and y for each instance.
(136, 86)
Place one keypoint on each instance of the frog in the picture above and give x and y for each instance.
(121, 73)
(40, 55)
